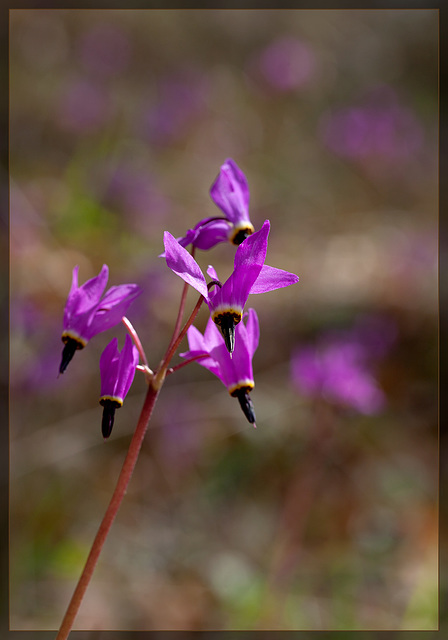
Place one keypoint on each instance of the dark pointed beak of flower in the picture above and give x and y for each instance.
(246, 404)
(71, 345)
(227, 327)
(107, 422)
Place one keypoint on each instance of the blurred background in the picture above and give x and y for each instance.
(325, 516)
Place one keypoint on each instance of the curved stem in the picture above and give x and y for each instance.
(111, 512)
(184, 364)
(134, 335)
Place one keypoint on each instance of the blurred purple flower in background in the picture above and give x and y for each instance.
(340, 367)
(180, 100)
(104, 49)
(285, 64)
(84, 107)
(379, 126)
(135, 193)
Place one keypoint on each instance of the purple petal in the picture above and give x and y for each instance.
(253, 249)
(212, 273)
(196, 340)
(207, 233)
(252, 331)
(74, 285)
(109, 362)
(126, 370)
(241, 361)
(230, 192)
(198, 346)
(249, 259)
(183, 264)
(271, 278)
(113, 307)
(92, 290)
(82, 300)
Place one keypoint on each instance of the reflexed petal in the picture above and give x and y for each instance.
(208, 234)
(241, 357)
(183, 264)
(92, 290)
(82, 300)
(212, 335)
(74, 285)
(252, 331)
(116, 295)
(113, 307)
(109, 362)
(117, 369)
(230, 192)
(196, 340)
(253, 249)
(271, 278)
(127, 366)
(249, 259)
(230, 371)
(234, 292)
(212, 273)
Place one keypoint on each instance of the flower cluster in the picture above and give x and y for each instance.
(228, 344)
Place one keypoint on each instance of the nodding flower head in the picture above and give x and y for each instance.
(117, 371)
(230, 192)
(234, 372)
(250, 275)
(87, 313)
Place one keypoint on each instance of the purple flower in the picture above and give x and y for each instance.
(285, 64)
(234, 372)
(379, 126)
(84, 106)
(338, 371)
(250, 275)
(180, 99)
(117, 371)
(87, 314)
(230, 192)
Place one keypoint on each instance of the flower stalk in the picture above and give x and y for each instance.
(111, 512)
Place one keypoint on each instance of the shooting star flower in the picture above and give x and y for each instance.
(86, 313)
(230, 192)
(250, 275)
(234, 372)
(117, 371)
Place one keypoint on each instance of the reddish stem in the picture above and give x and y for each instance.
(134, 335)
(154, 387)
(184, 364)
(180, 313)
(111, 512)
(175, 344)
